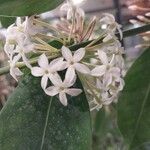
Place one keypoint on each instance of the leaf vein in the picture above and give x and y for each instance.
(46, 122)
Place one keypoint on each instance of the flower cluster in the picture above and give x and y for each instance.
(18, 45)
(99, 64)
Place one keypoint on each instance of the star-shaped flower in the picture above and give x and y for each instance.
(16, 36)
(107, 70)
(108, 22)
(62, 88)
(73, 61)
(19, 53)
(46, 70)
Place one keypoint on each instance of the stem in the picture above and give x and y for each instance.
(126, 33)
(21, 65)
(4, 70)
(136, 31)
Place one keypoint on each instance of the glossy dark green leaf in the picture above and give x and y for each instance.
(32, 120)
(27, 7)
(134, 104)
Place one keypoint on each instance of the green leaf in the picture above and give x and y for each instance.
(134, 104)
(31, 120)
(7, 21)
(27, 7)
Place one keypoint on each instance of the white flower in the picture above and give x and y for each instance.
(46, 70)
(20, 52)
(15, 71)
(15, 31)
(118, 84)
(110, 25)
(62, 88)
(15, 34)
(73, 61)
(70, 8)
(8, 48)
(30, 27)
(107, 70)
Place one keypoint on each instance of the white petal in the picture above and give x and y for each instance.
(56, 80)
(121, 83)
(65, 7)
(81, 12)
(26, 61)
(8, 49)
(30, 28)
(69, 14)
(15, 59)
(99, 84)
(70, 77)
(66, 53)
(51, 91)
(107, 80)
(115, 72)
(55, 61)
(29, 47)
(98, 71)
(43, 61)
(82, 68)
(103, 57)
(37, 71)
(58, 64)
(73, 91)
(112, 61)
(18, 21)
(44, 81)
(63, 98)
(14, 72)
(79, 54)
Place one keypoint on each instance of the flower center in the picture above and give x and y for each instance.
(46, 71)
(71, 63)
(61, 89)
(21, 51)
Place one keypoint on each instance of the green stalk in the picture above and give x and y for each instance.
(20, 65)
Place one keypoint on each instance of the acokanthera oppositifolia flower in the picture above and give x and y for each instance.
(73, 61)
(47, 70)
(107, 69)
(28, 41)
(63, 88)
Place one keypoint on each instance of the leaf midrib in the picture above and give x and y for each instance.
(46, 122)
(141, 112)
